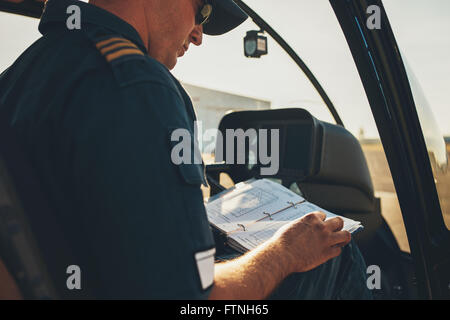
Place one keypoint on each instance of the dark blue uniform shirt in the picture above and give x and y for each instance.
(94, 114)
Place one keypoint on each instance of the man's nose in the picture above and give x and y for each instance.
(196, 36)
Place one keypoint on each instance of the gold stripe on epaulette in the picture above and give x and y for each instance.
(122, 52)
(116, 47)
(129, 45)
(110, 40)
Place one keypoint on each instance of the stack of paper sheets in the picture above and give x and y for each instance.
(252, 211)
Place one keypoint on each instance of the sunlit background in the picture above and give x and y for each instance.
(422, 30)
(310, 27)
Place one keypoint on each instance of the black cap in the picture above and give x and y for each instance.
(226, 15)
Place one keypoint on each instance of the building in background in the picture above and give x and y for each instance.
(211, 105)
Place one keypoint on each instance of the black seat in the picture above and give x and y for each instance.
(8, 289)
(322, 161)
(32, 245)
(18, 246)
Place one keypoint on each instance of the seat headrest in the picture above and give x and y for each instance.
(310, 150)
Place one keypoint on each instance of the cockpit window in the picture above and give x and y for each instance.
(421, 32)
(275, 79)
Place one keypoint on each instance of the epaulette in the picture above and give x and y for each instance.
(116, 48)
(128, 62)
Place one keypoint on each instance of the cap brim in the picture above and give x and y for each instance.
(226, 15)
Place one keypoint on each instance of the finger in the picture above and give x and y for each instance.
(342, 244)
(333, 252)
(340, 238)
(322, 216)
(334, 224)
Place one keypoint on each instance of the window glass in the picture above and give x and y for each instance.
(312, 30)
(422, 34)
(220, 79)
(16, 33)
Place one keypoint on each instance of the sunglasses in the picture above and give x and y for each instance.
(204, 13)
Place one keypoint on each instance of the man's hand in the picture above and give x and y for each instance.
(297, 247)
(310, 241)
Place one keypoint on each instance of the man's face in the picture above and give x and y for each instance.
(175, 30)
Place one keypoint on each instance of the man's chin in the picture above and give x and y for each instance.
(169, 63)
(172, 64)
(181, 53)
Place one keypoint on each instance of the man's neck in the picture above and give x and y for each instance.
(132, 14)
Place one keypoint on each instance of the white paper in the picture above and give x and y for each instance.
(248, 202)
(251, 213)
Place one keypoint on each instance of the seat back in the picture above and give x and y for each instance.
(322, 161)
(32, 244)
(18, 247)
(313, 153)
(8, 289)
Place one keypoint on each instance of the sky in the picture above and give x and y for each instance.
(421, 27)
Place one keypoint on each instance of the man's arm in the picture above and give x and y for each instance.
(252, 276)
(297, 247)
(141, 216)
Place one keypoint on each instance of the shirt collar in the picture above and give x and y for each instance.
(55, 11)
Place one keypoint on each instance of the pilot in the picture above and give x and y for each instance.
(94, 104)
